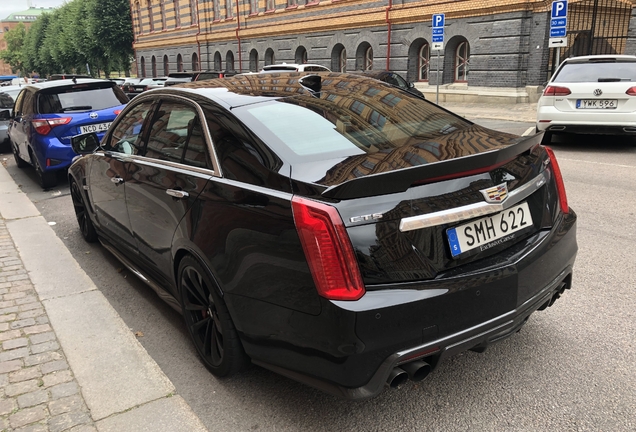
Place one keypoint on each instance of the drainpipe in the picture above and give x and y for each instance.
(197, 37)
(238, 38)
(132, 21)
(388, 36)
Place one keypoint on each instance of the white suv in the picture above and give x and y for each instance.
(591, 94)
(294, 67)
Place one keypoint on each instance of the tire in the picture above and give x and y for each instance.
(47, 179)
(208, 321)
(547, 136)
(81, 213)
(19, 162)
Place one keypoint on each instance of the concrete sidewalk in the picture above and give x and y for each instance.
(67, 360)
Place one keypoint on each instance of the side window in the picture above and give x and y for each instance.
(401, 82)
(19, 101)
(177, 136)
(126, 135)
(27, 103)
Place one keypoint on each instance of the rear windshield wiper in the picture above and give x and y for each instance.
(613, 79)
(78, 108)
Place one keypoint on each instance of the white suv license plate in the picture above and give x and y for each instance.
(596, 103)
(489, 231)
(100, 127)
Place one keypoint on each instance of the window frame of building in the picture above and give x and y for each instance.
(153, 62)
(140, 27)
(423, 62)
(162, 10)
(166, 65)
(342, 60)
(195, 62)
(270, 5)
(216, 10)
(177, 13)
(193, 12)
(142, 63)
(150, 16)
(179, 63)
(253, 7)
(292, 4)
(368, 59)
(461, 62)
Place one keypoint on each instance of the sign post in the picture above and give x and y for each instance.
(558, 26)
(438, 44)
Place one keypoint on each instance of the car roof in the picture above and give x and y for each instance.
(241, 89)
(600, 57)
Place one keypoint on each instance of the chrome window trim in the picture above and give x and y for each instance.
(216, 167)
(187, 169)
(474, 210)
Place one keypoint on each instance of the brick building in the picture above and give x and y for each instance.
(27, 18)
(493, 48)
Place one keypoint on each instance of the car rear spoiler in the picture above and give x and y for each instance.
(400, 180)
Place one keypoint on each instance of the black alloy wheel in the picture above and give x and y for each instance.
(81, 213)
(208, 321)
(20, 163)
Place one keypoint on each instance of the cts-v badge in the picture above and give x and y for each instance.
(495, 194)
(368, 217)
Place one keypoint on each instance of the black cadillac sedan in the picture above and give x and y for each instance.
(329, 227)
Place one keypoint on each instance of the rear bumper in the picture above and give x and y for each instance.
(351, 348)
(602, 122)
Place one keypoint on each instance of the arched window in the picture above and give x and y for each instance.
(179, 63)
(269, 57)
(364, 57)
(423, 60)
(301, 55)
(229, 61)
(195, 62)
(217, 61)
(166, 65)
(143, 67)
(254, 61)
(339, 58)
(462, 56)
(153, 62)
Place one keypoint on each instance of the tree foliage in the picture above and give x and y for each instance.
(15, 41)
(79, 36)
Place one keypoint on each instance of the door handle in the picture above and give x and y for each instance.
(177, 193)
(117, 180)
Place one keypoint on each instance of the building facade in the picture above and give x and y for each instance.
(492, 45)
(27, 18)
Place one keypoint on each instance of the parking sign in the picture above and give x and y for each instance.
(558, 23)
(438, 32)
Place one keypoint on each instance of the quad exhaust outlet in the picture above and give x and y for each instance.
(415, 371)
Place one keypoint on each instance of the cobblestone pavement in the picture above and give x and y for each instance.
(37, 389)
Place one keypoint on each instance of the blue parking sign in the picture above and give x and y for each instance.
(559, 9)
(438, 20)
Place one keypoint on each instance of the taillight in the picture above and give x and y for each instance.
(556, 91)
(558, 178)
(631, 91)
(117, 112)
(328, 250)
(44, 126)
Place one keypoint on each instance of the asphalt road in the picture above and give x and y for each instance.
(571, 368)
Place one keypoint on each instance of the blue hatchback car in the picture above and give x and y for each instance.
(48, 114)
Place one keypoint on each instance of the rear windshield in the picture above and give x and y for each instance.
(208, 75)
(69, 99)
(597, 72)
(377, 119)
(7, 100)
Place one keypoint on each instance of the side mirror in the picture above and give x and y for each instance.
(411, 85)
(85, 144)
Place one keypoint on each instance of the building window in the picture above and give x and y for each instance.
(151, 17)
(139, 24)
(342, 60)
(292, 3)
(269, 57)
(193, 11)
(143, 67)
(217, 61)
(301, 55)
(154, 66)
(377, 120)
(162, 10)
(357, 107)
(270, 5)
(216, 5)
(177, 13)
(229, 9)
(195, 62)
(391, 100)
(462, 56)
(368, 59)
(229, 61)
(179, 63)
(253, 7)
(166, 66)
(423, 60)
(254, 61)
